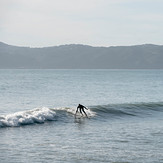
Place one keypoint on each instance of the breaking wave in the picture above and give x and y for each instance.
(38, 115)
(41, 115)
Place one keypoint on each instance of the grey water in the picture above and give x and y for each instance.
(124, 124)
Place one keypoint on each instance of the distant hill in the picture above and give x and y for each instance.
(76, 56)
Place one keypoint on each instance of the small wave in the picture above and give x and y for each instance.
(40, 115)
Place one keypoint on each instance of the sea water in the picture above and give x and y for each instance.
(124, 123)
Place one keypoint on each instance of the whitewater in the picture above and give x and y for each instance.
(38, 122)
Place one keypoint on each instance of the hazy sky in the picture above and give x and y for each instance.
(39, 23)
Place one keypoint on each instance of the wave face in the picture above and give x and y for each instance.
(135, 109)
(102, 112)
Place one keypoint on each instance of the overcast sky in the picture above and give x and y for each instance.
(40, 23)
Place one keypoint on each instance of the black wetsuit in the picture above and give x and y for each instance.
(81, 108)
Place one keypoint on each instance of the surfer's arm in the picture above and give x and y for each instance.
(85, 108)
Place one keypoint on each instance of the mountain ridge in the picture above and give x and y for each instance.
(79, 56)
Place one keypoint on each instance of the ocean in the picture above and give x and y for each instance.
(38, 122)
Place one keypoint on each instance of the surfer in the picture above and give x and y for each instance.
(81, 108)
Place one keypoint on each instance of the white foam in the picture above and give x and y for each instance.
(73, 111)
(38, 115)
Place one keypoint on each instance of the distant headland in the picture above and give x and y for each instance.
(76, 56)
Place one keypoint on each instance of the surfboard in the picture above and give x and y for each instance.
(78, 116)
